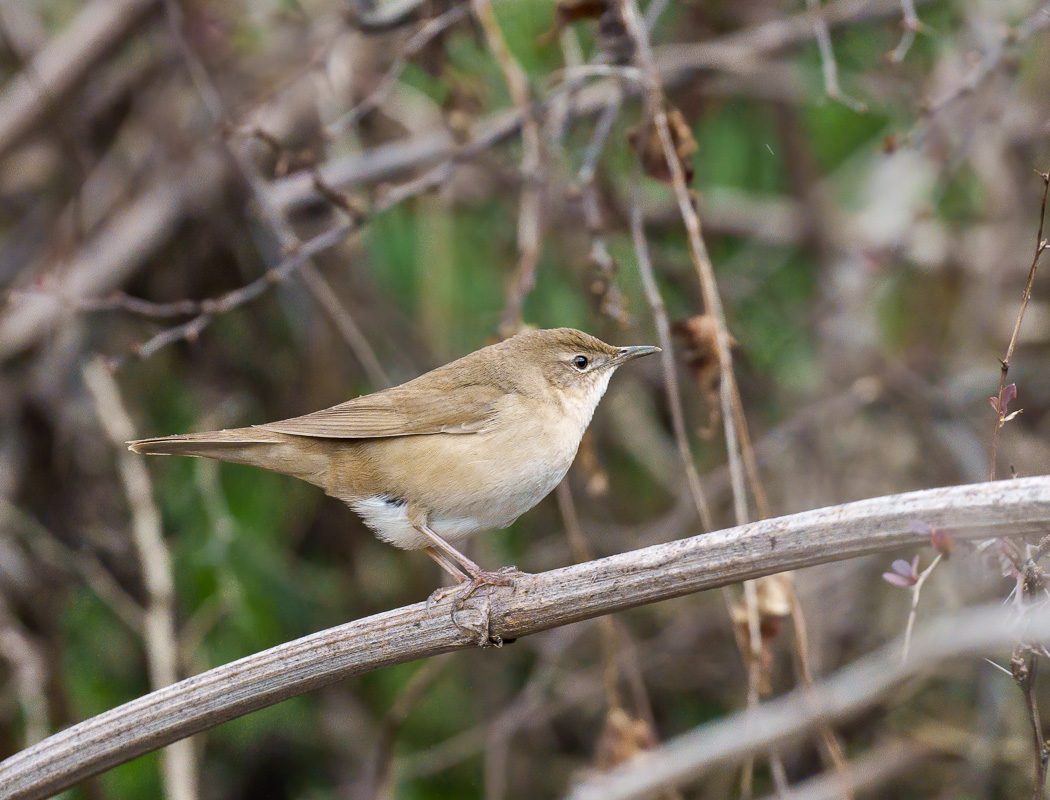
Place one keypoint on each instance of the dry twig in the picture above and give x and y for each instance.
(916, 590)
(64, 63)
(849, 691)
(529, 222)
(912, 25)
(1040, 246)
(663, 332)
(159, 635)
(829, 66)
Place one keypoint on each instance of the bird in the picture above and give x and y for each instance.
(464, 448)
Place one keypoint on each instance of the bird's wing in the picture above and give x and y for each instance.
(400, 411)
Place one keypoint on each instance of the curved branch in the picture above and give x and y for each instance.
(535, 603)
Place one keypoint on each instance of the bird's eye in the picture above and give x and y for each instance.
(580, 362)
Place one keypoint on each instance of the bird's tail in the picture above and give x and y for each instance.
(257, 447)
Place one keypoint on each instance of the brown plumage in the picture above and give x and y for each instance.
(466, 447)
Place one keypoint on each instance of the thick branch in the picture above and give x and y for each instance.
(535, 603)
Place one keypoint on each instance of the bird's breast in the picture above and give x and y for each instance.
(470, 482)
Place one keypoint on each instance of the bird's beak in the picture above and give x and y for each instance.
(627, 353)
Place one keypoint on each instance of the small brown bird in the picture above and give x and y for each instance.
(467, 447)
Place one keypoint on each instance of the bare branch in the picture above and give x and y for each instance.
(912, 25)
(676, 64)
(179, 765)
(51, 550)
(1040, 246)
(828, 65)
(973, 632)
(883, 762)
(534, 603)
(916, 590)
(64, 63)
(116, 253)
(529, 222)
(426, 33)
(674, 395)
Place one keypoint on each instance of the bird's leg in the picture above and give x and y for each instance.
(448, 551)
(446, 564)
(478, 577)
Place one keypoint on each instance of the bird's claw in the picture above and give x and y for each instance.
(461, 592)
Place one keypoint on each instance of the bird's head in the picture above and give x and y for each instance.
(575, 365)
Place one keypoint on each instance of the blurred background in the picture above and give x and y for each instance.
(223, 213)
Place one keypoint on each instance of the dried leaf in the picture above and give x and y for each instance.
(942, 541)
(596, 479)
(568, 11)
(699, 338)
(604, 289)
(622, 738)
(773, 594)
(646, 142)
(574, 10)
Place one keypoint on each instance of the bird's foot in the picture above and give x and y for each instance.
(504, 576)
(464, 617)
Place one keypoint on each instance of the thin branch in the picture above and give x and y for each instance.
(273, 218)
(64, 63)
(83, 564)
(916, 590)
(849, 691)
(616, 642)
(829, 67)
(529, 222)
(179, 767)
(845, 781)
(657, 114)
(663, 332)
(344, 321)
(117, 252)
(1006, 41)
(912, 25)
(376, 777)
(1040, 246)
(880, 764)
(534, 603)
(426, 33)
(677, 64)
(1024, 666)
(312, 247)
(29, 668)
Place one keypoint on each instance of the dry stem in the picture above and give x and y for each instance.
(674, 396)
(916, 590)
(1040, 246)
(828, 65)
(529, 223)
(179, 766)
(972, 632)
